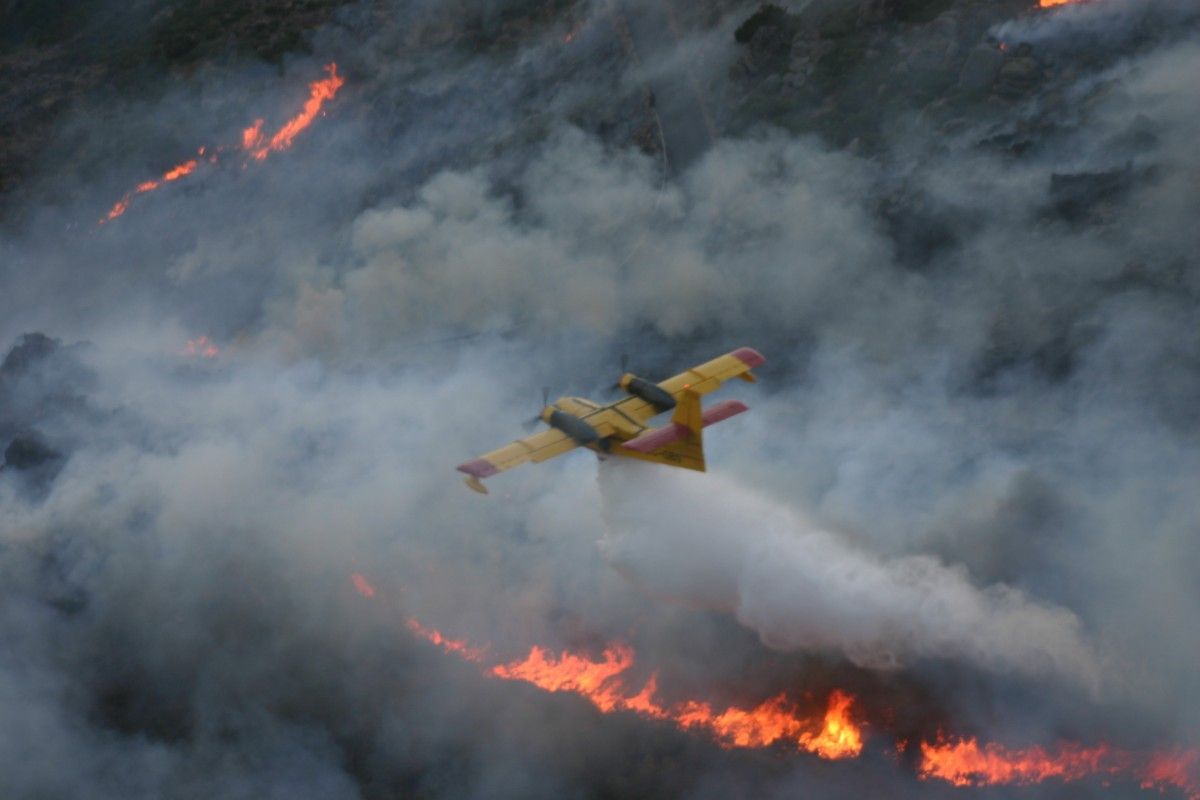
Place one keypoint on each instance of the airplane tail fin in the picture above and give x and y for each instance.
(681, 442)
(688, 413)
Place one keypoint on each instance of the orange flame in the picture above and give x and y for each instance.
(319, 92)
(1052, 3)
(1178, 769)
(833, 735)
(117, 210)
(775, 720)
(456, 646)
(363, 585)
(173, 174)
(252, 141)
(570, 35)
(965, 762)
(252, 136)
(573, 673)
(186, 168)
(201, 347)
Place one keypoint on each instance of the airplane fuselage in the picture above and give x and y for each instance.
(623, 427)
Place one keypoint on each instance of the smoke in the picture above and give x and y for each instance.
(973, 448)
(711, 542)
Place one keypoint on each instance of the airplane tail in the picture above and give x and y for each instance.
(681, 443)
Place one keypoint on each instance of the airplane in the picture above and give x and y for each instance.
(621, 428)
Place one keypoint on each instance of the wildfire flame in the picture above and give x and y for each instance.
(965, 762)
(834, 734)
(173, 174)
(456, 646)
(254, 141)
(570, 35)
(362, 585)
(201, 347)
(1052, 3)
(319, 92)
(252, 136)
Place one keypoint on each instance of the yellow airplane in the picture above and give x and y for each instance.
(620, 428)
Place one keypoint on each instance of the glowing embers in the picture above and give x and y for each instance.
(831, 734)
(362, 585)
(200, 347)
(254, 141)
(964, 762)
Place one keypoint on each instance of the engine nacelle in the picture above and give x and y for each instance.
(652, 393)
(573, 426)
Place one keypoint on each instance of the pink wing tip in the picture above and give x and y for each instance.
(749, 356)
(480, 468)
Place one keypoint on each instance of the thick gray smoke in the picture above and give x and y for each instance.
(966, 488)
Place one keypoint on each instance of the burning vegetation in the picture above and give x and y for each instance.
(837, 732)
(964, 762)
(255, 143)
(201, 347)
(831, 734)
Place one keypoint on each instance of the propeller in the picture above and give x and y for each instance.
(530, 424)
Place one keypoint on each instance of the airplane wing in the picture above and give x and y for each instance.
(701, 380)
(628, 416)
(538, 447)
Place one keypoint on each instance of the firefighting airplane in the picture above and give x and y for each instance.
(620, 428)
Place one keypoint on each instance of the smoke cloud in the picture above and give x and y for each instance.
(973, 450)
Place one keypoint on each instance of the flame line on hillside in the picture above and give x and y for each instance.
(254, 142)
(965, 762)
(319, 92)
(837, 733)
(831, 734)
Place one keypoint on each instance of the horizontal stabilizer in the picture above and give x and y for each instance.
(656, 439)
(719, 412)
